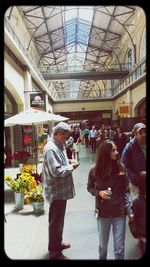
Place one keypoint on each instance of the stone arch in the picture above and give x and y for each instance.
(10, 133)
(140, 109)
(13, 95)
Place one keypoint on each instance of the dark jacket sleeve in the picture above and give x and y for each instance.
(91, 185)
(128, 201)
(126, 191)
(126, 159)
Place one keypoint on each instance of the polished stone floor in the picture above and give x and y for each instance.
(26, 234)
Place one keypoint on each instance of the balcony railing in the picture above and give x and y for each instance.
(138, 71)
(61, 69)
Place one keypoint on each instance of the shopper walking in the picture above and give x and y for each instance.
(86, 136)
(108, 174)
(75, 149)
(134, 154)
(58, 185)
(69, 147)
(120, 140)
(92, 138)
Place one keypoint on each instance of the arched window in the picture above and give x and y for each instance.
(129, 58)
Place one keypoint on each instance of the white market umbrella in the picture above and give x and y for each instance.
(33, 117)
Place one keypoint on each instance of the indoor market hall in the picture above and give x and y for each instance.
(84, 67)
(26, 233)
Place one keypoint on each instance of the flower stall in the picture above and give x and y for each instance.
(20, 185)
(26, 183)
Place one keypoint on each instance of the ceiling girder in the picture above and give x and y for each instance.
(55, 49)
(99, 75)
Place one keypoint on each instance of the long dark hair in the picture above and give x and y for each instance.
(105, 166)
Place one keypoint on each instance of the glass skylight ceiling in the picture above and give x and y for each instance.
(76, 39)
(76, 29)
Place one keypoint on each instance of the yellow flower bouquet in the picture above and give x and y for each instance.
(32, 170)
(36, 194)
(28, 168)
(27, 182)
(23, 183)
(17, 185)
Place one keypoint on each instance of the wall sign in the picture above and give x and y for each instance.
(37, 100)
(106, 115)
(124, 110)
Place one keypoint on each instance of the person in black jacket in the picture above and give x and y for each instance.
(134, 154)
(108, 172)
(120, 140)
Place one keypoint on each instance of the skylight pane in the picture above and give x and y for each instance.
(86, 14)
(77, 24)
(69, 29)
(83, 32)
(81, 48)
(70, 14)
(74, 88)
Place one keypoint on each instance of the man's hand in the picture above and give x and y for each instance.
(74, 163)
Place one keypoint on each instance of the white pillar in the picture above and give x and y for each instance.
(27, 87)
(129, 101)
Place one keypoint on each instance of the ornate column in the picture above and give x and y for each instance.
(129, 101)
(27, 86)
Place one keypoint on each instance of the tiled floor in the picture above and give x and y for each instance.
(26, 234)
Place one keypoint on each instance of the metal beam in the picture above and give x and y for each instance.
(100, 75)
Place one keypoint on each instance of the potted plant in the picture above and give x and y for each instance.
(21, 185)
(37, 198)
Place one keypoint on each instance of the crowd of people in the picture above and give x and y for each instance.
(120, 164)
(92, 137)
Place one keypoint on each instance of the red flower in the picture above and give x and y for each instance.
(38, 177)
(21, 155)
(27, 139)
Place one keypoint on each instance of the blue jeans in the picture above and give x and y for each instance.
(118, 229)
